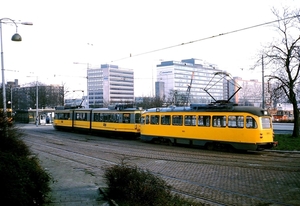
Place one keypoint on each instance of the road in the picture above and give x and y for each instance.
(210, 177)
(283, 128)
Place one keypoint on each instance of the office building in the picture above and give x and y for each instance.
(109, 84)
(187, 79)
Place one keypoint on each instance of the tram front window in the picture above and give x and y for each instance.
(266, 123)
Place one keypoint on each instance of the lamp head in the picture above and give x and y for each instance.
(16, 37)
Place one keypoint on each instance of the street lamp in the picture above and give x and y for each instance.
(263, 81)
(15, 37)
(37, 101)
(263, 77)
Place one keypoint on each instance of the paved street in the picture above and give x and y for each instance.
(77, 163)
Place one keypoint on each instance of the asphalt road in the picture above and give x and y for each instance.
(283, 128)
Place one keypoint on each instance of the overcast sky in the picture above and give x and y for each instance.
(99, 32)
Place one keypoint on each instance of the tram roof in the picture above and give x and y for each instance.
(108, 109)
(212, 108)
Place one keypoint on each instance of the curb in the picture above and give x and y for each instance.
(283, 151)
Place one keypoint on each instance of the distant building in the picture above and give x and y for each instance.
(25, 97)
(175, 77)
(109, 84)
(250, 93)
(160, 89)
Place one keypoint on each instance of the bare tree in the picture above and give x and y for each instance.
(284, 56)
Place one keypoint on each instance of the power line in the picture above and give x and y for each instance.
(206, 38)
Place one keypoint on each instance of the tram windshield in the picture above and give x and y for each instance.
(266, 123)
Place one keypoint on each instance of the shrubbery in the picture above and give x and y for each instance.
(23, 180)
(132, 186)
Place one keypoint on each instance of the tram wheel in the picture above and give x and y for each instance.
(209, 146)
(230, 148)
(170, 143)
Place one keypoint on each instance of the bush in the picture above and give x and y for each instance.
(132, 186)
(23, 180)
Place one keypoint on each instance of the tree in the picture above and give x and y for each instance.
(150, 102)
(284, 56)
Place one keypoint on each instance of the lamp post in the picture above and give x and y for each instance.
(263, 81)
(15, 37)
(37, 101)
(263, 77)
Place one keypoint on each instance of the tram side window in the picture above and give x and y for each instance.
(116, 117)
(62, 116)
(204, 121)
(266, 122)
(154, 119)
(143, 120)
(106, 117)
(81, 116)
(236, 121)
(97, 117)
(67, 116)
(219, 121)
(147, 119)
(126, 118)
(190, 120)
(166, 120)
(250, 122)
(137, 118)
(177, 120)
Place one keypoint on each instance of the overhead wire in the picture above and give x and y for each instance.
(206, 38)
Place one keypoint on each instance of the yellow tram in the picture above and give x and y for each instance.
(213, 125)
(117, 120)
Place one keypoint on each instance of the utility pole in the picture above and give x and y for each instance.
(263, 81)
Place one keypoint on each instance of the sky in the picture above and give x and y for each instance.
(67, 35)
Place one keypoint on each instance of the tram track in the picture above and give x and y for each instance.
(94, 153)
(189, 155)
(81, 159)
(85, 164)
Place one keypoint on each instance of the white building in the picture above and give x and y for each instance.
(109, 84)
(251, 93)
(176, 76)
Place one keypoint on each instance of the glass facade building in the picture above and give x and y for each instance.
(178, 75)
(109, 84)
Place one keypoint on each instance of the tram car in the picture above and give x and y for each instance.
(215, 125)
(117, 120)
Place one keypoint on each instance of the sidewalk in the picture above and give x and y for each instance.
(72, 186)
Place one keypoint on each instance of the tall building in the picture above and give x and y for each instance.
(109, 84)
(175, 77)
(159, 90)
